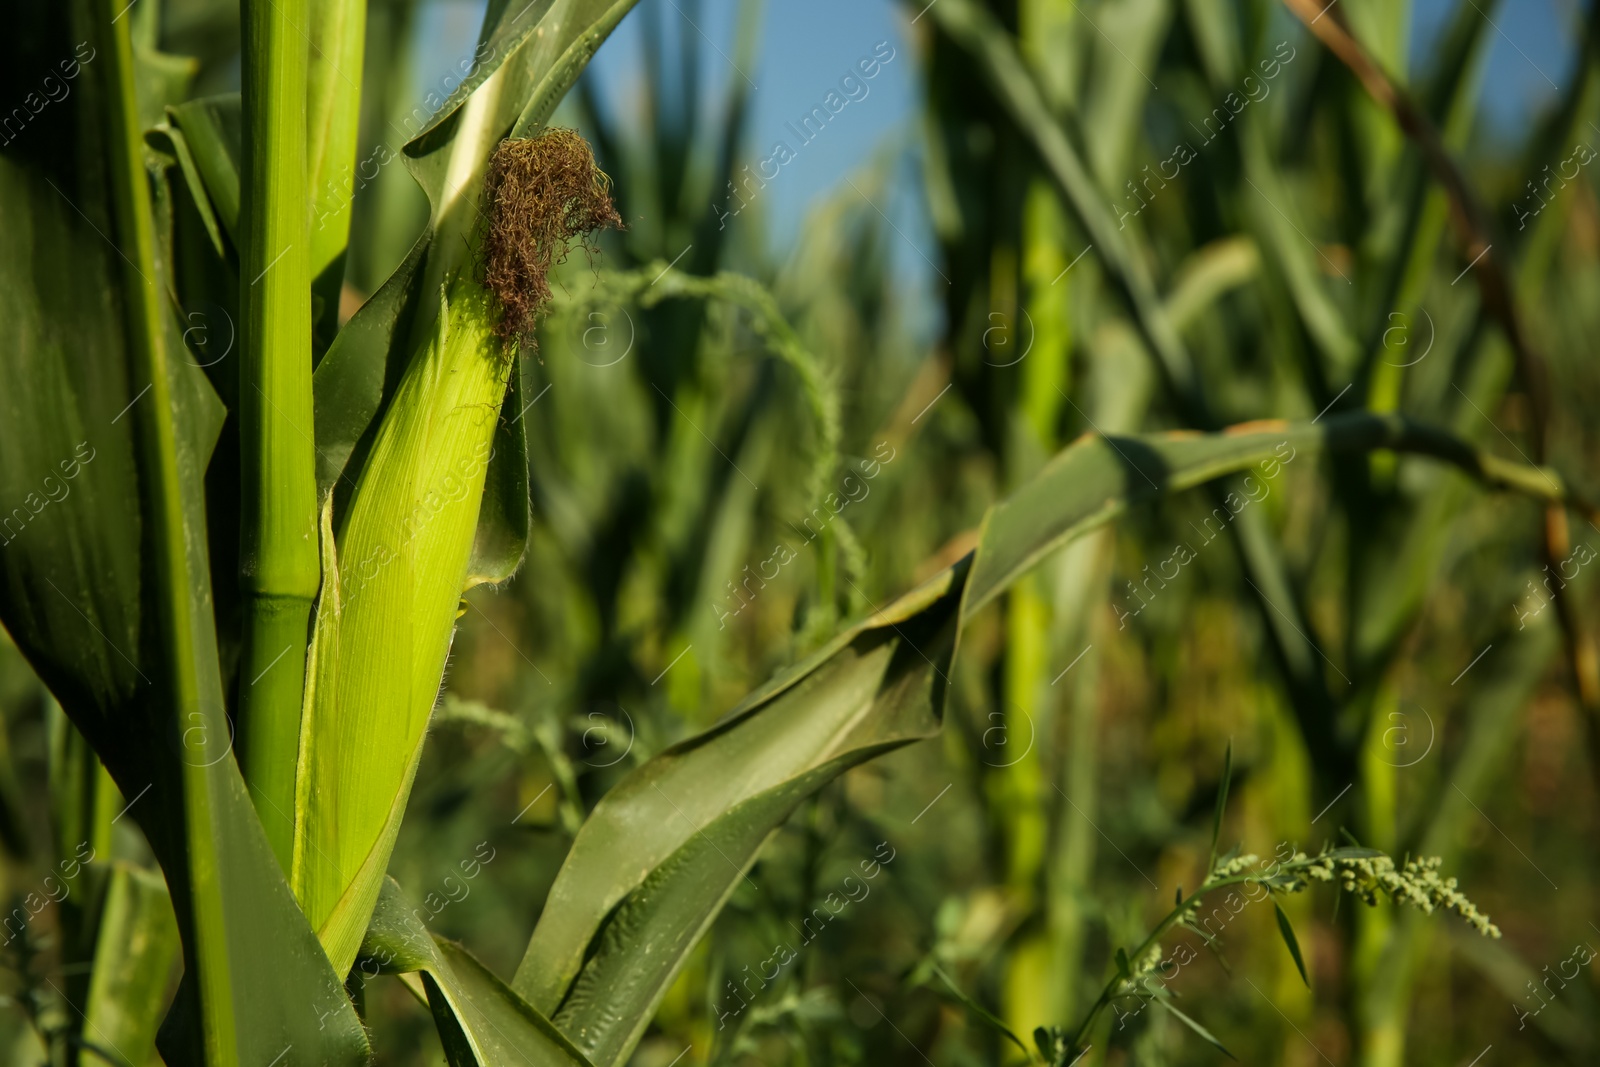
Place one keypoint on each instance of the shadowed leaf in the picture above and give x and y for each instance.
(481, 1022)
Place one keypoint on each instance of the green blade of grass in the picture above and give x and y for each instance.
(988, 1017)
(1286, 931)
(1210, 1038)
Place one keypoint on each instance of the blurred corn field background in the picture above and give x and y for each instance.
(745, 430)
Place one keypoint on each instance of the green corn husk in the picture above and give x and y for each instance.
(391, 594)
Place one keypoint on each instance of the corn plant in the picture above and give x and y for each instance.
(239, 576)
(1260, 194)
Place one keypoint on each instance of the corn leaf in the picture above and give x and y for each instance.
(103, 581)
(350, 384)
(1321, 301)
(213, 128)
(1126, 43)
(662, 852)
(1097, 478)
(675, 838)
(136, 944)
(481, 1022)
(335, 50)
(1210, 272)
(171, 138)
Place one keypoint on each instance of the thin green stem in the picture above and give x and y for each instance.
(278, 564)
(1172, 918)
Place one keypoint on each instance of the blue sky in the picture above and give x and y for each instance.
(806, 45)
(805, 49)
(1534, 52)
